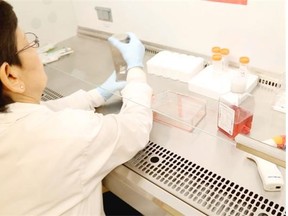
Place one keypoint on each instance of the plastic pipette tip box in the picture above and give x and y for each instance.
(175, 65)
(178, 110)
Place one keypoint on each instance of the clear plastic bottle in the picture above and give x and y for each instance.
(225, 58)
(238, 81)
(217, 63)
(235, 113)
(120, 65)
(236, 108)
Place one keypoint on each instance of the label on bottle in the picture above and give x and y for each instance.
(226, 118)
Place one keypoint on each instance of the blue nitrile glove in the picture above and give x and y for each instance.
(132, 52)
(107, 89)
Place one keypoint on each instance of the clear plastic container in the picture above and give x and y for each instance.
(235, 113)
(120, 65)
(239, 79)
(178, 110)
(217, 64)
(225, 58)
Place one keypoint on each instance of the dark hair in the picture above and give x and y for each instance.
(8, 45)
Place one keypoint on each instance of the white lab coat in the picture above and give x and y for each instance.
(52, 161)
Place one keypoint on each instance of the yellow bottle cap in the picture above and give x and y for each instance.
(216, 57)
(224, 51)
(244, 60)
(216, 49)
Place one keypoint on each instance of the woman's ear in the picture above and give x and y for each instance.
(9, 76)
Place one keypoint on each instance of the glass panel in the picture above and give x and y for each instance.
(243, 2)
(92, 63)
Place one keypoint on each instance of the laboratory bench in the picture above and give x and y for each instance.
(198, 172)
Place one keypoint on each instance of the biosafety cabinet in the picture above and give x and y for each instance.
(197, 171)
(188, 167)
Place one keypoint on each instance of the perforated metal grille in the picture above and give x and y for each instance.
(195, 185)
(49, 94)
(199, 187)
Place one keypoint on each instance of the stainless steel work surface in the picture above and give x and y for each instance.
(181, 172)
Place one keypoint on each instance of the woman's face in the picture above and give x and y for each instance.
(32, 71)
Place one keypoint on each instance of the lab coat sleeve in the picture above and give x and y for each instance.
(121, 135)
(78, 100)
(67, 153)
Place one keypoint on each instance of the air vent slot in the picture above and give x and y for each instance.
(204, 190)
(49, 94)
(152, 50)
(269, 82)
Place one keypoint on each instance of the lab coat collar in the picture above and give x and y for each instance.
(17, 111)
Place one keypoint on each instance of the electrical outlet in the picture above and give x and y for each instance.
(104, 14)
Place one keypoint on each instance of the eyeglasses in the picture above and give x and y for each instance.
(33, 41)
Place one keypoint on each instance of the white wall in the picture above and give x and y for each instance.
(256, 30)
(51, 20)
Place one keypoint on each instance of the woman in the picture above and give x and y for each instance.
(54, 155)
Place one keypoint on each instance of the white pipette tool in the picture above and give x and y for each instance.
(270, 174)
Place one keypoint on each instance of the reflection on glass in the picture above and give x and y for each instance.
(92, 63)
(261, 149)
(243, 2)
